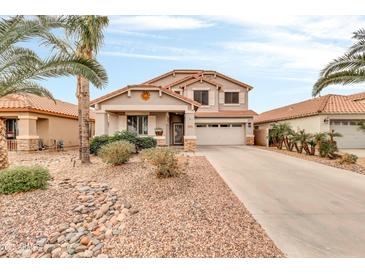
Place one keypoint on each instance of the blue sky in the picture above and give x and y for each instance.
(280, 56)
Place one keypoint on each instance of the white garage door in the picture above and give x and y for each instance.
(351, 136)
(220, 134)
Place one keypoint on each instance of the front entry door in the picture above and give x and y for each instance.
(178, 133)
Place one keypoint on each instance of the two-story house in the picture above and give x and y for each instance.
(181, 107)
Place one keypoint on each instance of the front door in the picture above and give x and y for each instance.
(178, 133)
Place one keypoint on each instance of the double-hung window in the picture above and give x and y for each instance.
(201, 96)
(231, 98)
(138, 124)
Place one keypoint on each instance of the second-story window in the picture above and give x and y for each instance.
(231, 98)
(201, 96)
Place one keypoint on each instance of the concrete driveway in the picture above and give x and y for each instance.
(359, 152)
(308, 209)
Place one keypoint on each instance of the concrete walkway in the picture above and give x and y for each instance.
(308, 209)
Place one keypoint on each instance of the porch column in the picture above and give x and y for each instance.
(101, 123)
(113, 123)
(250, 137)
(27, 138)
(189, 131)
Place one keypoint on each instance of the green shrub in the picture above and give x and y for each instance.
(164, 159)
(97, 142)
(348, 158)
(328, 149)
(139, 142)
(117, 152)
(124, 135)
(23, 178)
(145, 143)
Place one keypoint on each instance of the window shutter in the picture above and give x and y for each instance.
(221, 97)
(242, 97)
(211, 96)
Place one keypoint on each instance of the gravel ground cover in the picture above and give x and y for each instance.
(359, 167)
(194, 215)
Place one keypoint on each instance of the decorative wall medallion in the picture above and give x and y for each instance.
(146, 95)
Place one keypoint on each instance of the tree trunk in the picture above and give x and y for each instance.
(85, 118)
(78, 96)
(4, 162)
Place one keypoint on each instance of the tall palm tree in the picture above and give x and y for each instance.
(21, 68)
(348, 69)
(88, 34)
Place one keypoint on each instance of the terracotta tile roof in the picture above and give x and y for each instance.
(225, 114)
(202, 79)
(39, 104)
(197, 72)
(357, 96)
(331, 104)
(142, 87)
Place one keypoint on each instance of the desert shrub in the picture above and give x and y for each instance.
(23, 178)
(117, 152)
(328, 149)
(348, 158)
(97, 142)
(145, 142)
(164, 159)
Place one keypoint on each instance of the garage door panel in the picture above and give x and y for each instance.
(351, 136)
(221, 135)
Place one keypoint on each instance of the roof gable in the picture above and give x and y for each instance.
(143, 87)
(197, 73)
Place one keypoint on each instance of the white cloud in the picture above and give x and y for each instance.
(305, 55)
(179, 56)
(157, 23)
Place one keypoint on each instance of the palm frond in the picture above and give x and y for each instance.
(345, 62)
(343, 77)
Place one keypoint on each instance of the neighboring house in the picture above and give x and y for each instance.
(190, 106)
(322, 114)
(33, 121)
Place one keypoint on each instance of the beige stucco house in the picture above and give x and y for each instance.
(192, 107)
(322, 114)
(33, 121)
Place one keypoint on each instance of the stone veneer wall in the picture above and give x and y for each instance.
(250, 140)
(27, 144)
(189, 144)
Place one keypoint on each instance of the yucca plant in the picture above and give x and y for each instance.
(21, 68)
(347, 69)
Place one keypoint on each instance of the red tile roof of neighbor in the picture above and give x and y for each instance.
(33, 103)
(225, 114)
(328, 104)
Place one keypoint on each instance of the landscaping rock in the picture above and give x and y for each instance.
(41, 242)
(56, 253)
(84, 240)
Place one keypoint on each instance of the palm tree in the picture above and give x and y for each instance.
(333, 134)
(21, 68)
(319, 138)
(348, 69)
(303, 138)
(88, 34)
